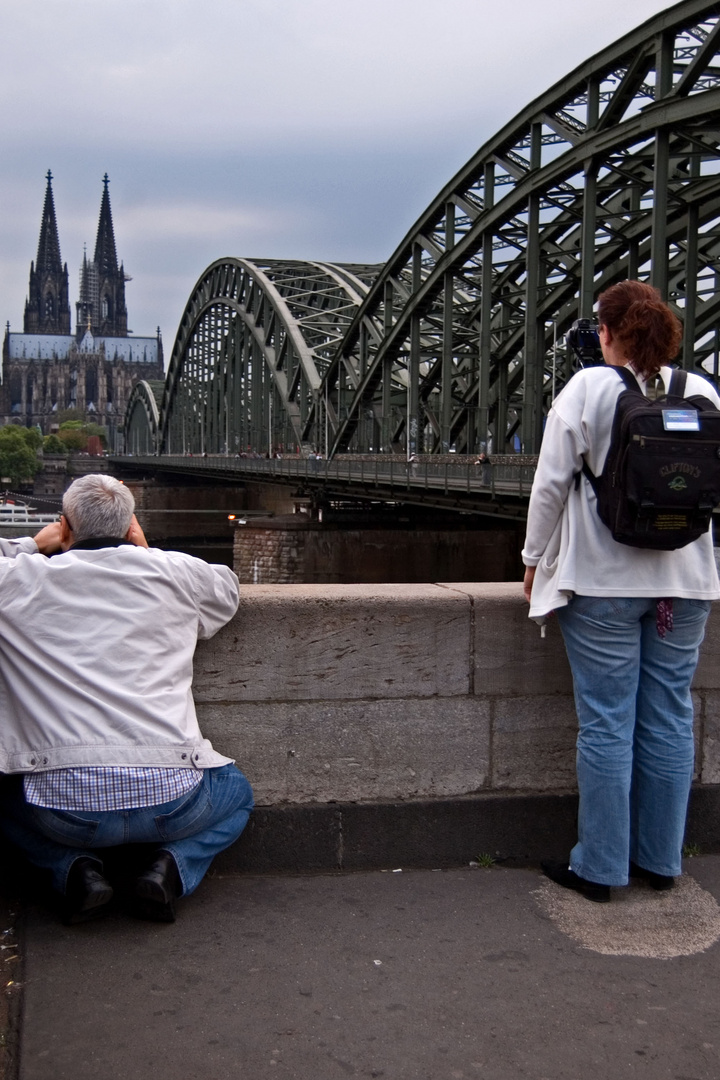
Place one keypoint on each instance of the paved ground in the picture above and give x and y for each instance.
(421, 975)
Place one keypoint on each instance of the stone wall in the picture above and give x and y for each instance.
(295, 550)
(58, 471)
(53, 478)
(359, 694)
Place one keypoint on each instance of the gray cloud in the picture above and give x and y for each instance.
(274, 128)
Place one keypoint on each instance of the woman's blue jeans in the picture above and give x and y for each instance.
(193, 828)
(635, 746)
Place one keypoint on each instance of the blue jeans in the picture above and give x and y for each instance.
(193, 828)
(635, 746)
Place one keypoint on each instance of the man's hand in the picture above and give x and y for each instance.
(49, 539)
(135, 534)
(528, 581)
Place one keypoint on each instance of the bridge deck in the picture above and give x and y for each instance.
(500, 489)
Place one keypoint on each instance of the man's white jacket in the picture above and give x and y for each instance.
(96, 655)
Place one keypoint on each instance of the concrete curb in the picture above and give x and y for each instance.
(516, 830)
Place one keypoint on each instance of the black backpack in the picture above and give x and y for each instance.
(661, 480)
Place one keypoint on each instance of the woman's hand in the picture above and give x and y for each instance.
(528, 581)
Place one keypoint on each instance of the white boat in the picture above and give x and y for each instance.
(19, 519)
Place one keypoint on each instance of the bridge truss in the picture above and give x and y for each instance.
(254, 343)
(142, 417)
(456, 342)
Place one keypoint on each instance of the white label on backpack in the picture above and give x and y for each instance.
(680, 420)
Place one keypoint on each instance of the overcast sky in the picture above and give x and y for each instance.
(304, 129)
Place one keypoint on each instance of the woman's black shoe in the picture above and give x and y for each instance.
(561, 874)
(659, 882)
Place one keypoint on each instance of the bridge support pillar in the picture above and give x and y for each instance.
(293, 549)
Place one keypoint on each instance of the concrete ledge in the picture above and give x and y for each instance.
(402, 693)
(516, 830)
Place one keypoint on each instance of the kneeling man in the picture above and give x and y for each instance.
(96, 654)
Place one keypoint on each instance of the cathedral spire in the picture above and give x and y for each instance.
(102, 282)
(105, 253)
(48, 256)
(47, 309)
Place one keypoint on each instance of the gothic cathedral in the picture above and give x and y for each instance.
(49, 374)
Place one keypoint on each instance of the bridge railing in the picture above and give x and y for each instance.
(379, 471)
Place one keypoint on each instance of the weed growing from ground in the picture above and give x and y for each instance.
(485, 860)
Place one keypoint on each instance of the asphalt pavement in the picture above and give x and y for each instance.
(493, 974)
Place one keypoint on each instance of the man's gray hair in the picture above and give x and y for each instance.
(98, 505)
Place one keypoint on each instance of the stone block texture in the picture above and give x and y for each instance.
(374, 693)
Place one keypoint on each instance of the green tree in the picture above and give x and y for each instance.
(33, 437)
(72, 438)
(53, 445)
(18, 460)
(75, 433)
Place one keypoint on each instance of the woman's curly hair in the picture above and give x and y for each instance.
(646, 330)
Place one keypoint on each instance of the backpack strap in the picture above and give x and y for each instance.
(677, 384)
(676, 388)
(631, 383)
(627, 377)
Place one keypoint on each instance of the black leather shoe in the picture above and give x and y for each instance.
(561, 874)
(659, 882)
(87, 893)
(157, 889)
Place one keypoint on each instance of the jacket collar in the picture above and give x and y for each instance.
(95, 542)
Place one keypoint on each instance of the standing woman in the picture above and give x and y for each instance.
(632, 618)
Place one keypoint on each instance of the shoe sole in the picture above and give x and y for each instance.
(147, 889)
(152, 902)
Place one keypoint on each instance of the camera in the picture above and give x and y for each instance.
(582, 338)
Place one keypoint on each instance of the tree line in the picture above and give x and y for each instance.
(20, 447)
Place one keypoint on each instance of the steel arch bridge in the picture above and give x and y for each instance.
(456, 342)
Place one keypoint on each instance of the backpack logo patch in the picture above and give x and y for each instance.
(678, 484)
(681, 467)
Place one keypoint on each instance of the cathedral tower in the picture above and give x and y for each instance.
(50, 374)
(101, 306)
(47, 309)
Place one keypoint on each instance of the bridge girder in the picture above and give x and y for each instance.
(613, 173)
(142, 417)
(253, 343)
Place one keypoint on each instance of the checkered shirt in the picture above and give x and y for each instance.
(108, 787)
